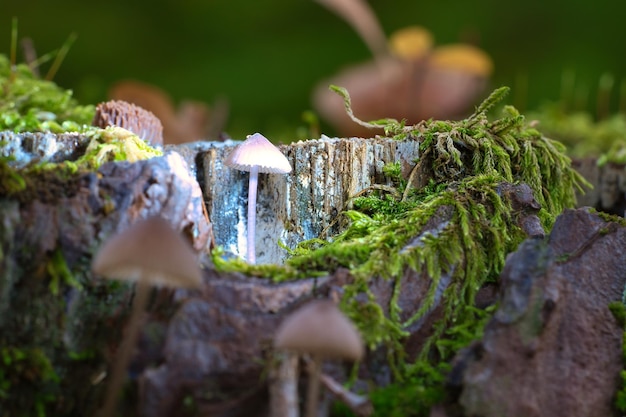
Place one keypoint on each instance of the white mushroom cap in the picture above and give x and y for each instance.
(152, 250)
(320, 328)
(256, 150)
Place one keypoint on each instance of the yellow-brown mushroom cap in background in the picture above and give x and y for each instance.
(149, 250)
(462, 57)
(411, 43)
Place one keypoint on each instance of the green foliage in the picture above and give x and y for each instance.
(27, 366)
(115, 144)
(616, 154)
(60, 273)
(11, 182)
(393, 170)
(30, 104)
(584, 136)
(423, 386)
(49, 181)
(618, 309)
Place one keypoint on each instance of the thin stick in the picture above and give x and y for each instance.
(30, 55)
(568, 86)
(358, 404)
(125, 352)
(622, 97)
(603, 105)
(412, 175)
(60, 56)
(13, 50)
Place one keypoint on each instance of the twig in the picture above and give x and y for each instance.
(30, 55)
(60, 56)
(358, 404)
(414, 172)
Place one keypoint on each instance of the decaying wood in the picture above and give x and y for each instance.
(609, 186)
(326, 173)
(49, 300)
(218, 340)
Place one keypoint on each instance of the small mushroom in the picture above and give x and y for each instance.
(256, 154)
(320, 329)
(138, 120)
(150, 252)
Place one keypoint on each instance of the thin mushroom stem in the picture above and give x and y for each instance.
(252, 187)
(116, 381)
(313, 388)
(283, 386)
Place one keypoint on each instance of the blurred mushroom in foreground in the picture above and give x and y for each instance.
(149, 252)
(321, 330)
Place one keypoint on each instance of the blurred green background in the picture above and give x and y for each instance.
(266, 56)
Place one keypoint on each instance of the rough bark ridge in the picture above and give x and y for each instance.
(553, 347)
(609, 186)
(55, 320)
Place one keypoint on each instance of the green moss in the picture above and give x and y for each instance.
(609, 218)
(390, 231)
(60, 273)
(11, 181)
(423, 386)
(115, 144)
(30, 104)
(30, 366)
(584, 136)
(393, 170)
(49, 181)
(618, 309)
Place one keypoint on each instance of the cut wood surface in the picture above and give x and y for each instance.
(326, 174)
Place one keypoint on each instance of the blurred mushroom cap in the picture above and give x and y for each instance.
(462, 57)
(410, 43)
(321, 329)
(152, 250)
(189, 123)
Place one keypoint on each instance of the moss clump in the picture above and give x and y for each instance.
(115, 144)
(584, 136)
(30, 104)
(619, 312)
(391, 231)
(48, 181)
(27, 366)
